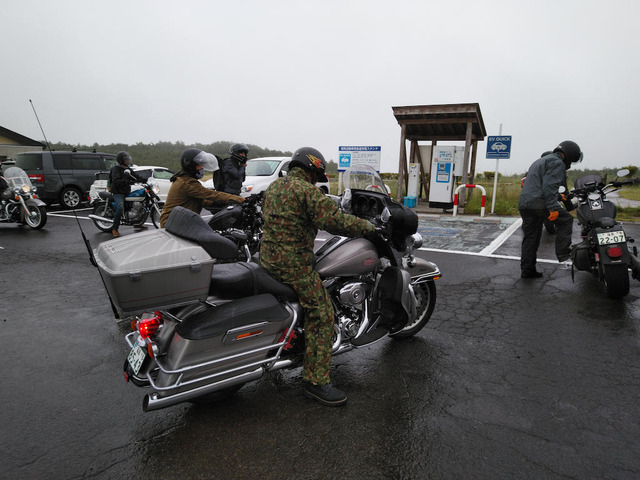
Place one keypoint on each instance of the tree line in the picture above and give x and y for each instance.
(167, 154)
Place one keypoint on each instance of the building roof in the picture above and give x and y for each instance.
(441, 122)
(19, 139)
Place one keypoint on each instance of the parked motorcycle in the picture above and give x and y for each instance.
(242, 224)
(139, 205)
(603, 251)
(211, 327)
(19, 202)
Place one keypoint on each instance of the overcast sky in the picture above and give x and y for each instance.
(285, 74)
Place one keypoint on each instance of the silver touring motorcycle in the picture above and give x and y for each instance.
(203, 325)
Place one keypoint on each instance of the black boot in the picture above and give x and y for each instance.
(326, 394)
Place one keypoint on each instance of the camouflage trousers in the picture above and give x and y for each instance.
(318, 322)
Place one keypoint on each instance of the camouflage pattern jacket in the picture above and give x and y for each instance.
(293, 210)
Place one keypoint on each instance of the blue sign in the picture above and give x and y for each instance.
(499, 147)
(344, 161)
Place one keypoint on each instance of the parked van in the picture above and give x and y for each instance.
(64, 177)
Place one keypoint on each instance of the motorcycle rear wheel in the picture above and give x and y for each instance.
(38, 220)
(426, 296)
(107, 211)
(616, 280)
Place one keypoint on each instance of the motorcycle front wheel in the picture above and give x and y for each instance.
(616, 280)
(426, 297)
(37, 217)
(156, 211)
(106, 211)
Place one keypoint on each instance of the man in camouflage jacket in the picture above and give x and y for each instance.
(293, 210)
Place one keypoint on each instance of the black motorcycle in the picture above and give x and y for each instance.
(139, 205)
(18, 200)
(242, 224)
(603, 251)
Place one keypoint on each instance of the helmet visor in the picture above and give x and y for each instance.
(208, 161)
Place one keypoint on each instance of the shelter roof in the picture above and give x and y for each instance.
(19, 139)
(441, 122)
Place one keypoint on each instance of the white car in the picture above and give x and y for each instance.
(261, 172)
(157, 175)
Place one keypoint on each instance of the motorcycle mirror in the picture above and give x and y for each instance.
(345, 203)
(623, 172)
(385, 216)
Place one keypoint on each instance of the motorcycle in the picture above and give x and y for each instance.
(603, 251)
(19, 202)
(204, 329)
(139, 205)
(242, 224)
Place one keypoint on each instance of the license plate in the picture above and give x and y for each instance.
(136, 358)
(607, 238)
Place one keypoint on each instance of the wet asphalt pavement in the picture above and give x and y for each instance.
(511, 379)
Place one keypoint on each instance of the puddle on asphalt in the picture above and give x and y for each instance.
(469, 234)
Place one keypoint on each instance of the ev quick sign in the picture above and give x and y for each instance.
(499, 147)
(349, 156)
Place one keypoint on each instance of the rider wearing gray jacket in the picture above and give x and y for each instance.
(539, 201)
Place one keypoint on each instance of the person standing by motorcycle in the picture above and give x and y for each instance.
(293, 210)
(186, 191)
(121, 177)
(539, 201)
(232, 170)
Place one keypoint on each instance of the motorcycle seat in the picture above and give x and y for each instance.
(605, 222)
(184, 223)
(244, 279)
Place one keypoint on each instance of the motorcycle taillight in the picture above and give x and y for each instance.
(614, 252)
(147, 327)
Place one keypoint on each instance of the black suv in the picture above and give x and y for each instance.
(64, 177)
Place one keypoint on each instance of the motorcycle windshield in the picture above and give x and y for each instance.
(16, 178)
(363, 177)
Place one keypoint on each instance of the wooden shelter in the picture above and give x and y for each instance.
(450, 122)
(12, 143)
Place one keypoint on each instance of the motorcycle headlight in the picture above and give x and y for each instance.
(26, 188)
(155, 188)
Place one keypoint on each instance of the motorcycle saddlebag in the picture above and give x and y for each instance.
(224, 339)
(580, 256)
(153, 270)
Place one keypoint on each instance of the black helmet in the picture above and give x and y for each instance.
(238, 148)
(312, 160)
(192, 157)
(123, 157)
(571, 151)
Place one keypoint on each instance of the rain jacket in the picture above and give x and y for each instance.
(544, 178)
(189, 193)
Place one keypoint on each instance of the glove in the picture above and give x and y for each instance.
(553, 216)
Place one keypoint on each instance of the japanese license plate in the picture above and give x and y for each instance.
(607, 238)
(136, 358)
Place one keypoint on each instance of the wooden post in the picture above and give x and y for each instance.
(467, 148)
(402, 163)
(474, 151)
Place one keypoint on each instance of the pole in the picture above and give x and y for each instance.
(495, 180)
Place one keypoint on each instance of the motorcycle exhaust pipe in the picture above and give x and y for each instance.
(152, 401)
(100, 219)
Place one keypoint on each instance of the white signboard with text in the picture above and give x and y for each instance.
(348, 156)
